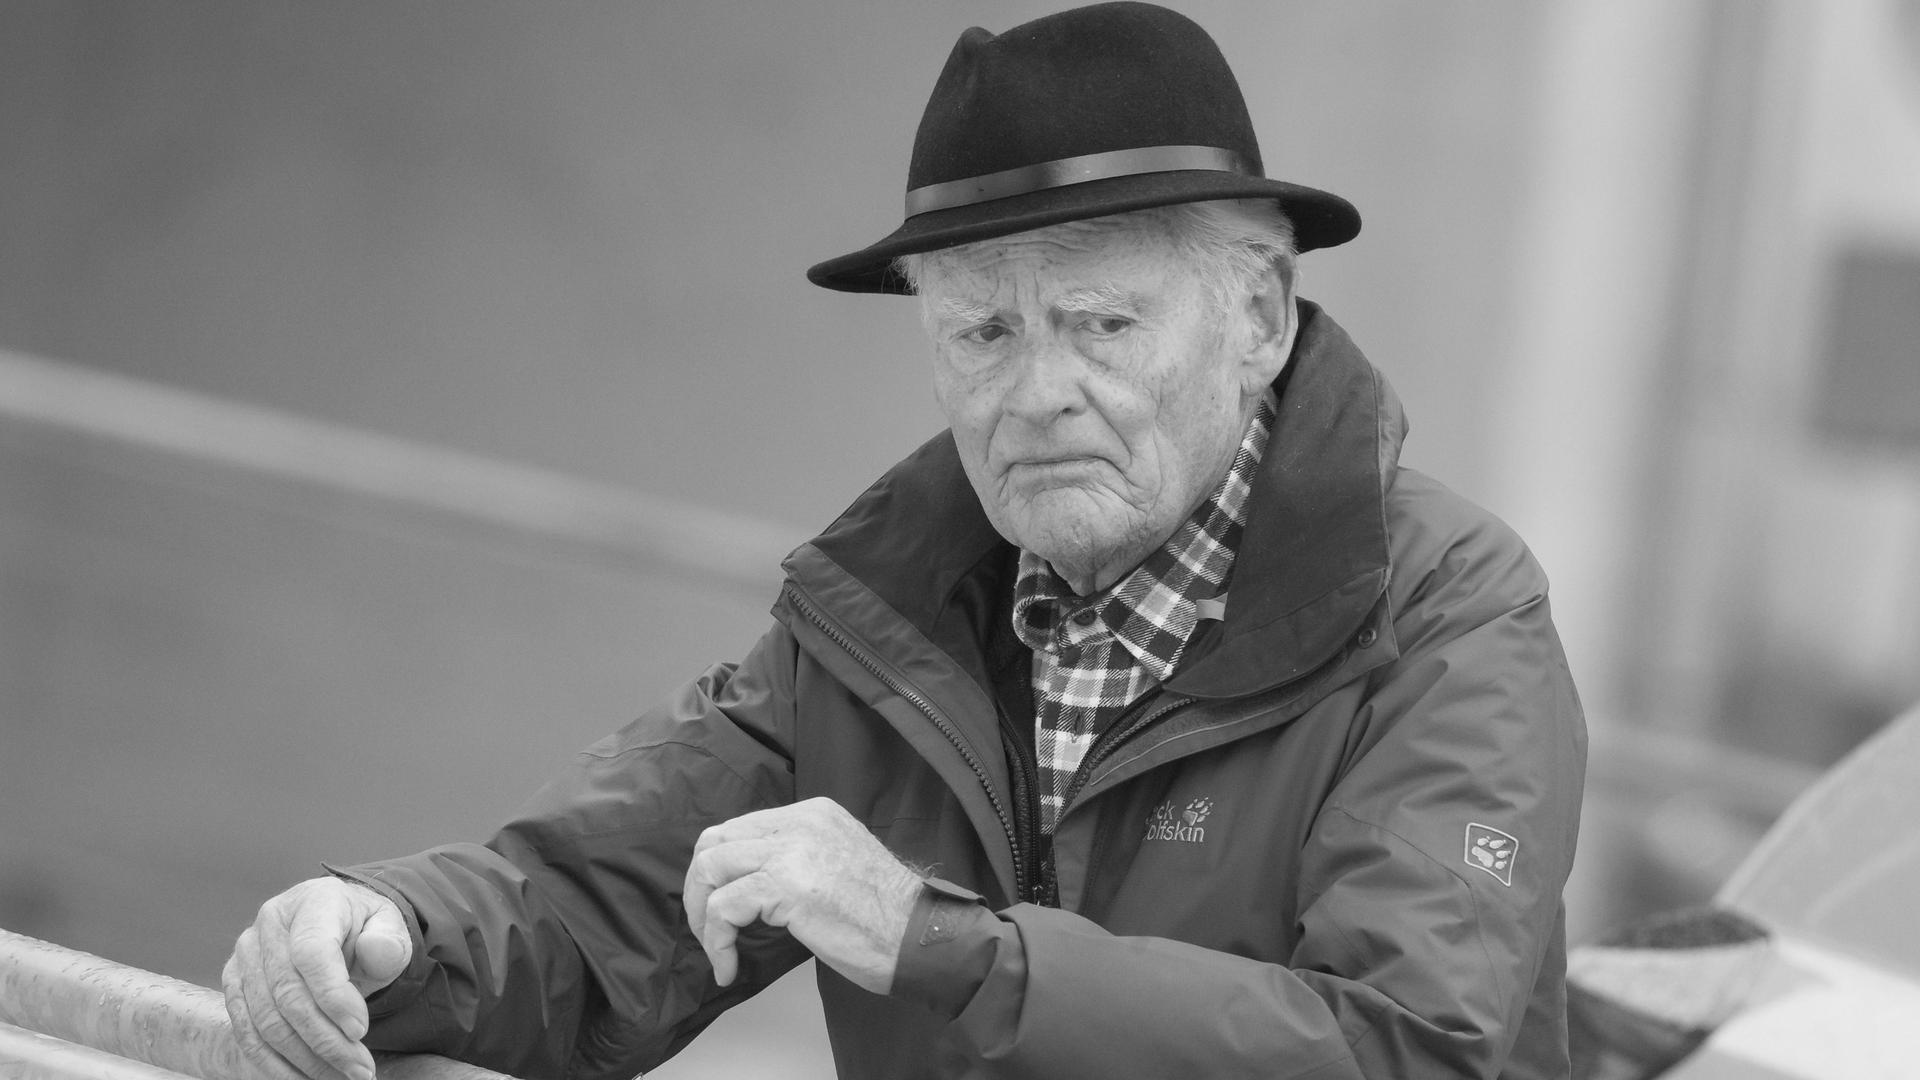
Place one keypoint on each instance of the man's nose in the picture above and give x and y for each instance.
(1047, 380)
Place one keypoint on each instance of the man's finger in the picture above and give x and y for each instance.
(317, 942)
(714, 868)
(308, 933)
(741, 902)
(257, 1052)
(268, 1020)
(381, 950)
(717, 940)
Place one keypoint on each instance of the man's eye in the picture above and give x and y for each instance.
(1107, 325)
(985, 333)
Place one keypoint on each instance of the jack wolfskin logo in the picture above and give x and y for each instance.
(1491, 850)
(1184, 826)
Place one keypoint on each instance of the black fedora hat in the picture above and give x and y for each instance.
(1089, 112)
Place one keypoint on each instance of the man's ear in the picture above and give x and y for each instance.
(1273, 323)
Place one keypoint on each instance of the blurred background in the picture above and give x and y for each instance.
(394, 398)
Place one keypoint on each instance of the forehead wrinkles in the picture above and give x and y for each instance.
(990, 266)
(1071, 261)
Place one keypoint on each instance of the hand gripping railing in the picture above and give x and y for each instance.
(66, 1014)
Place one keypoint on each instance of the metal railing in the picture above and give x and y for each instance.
(67, 1015)
(291, 458)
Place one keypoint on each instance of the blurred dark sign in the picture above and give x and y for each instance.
(1868, 376)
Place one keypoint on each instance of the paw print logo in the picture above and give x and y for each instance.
(1197, 811)
(1491, 850)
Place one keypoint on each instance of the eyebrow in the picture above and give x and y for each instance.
(1101, 298)
(958, 309)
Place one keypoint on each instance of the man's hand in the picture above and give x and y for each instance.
(812, 868)
(297, 981)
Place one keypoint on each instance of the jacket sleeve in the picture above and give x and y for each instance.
(559, 946)
(1414, 958)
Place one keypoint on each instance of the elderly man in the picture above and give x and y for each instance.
(1151, 721)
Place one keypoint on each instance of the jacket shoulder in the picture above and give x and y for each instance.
(1447, 549)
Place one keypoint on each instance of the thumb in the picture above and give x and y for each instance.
(381, 949)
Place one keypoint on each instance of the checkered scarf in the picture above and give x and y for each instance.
(1094, 656)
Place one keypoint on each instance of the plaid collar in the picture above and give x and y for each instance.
(1153, 610)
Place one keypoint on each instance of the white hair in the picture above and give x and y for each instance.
(1228, 243)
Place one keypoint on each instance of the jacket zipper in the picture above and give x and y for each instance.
(919, 701)
(1109, 741)
(1034, 850)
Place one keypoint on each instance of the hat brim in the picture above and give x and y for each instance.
(1320, 219)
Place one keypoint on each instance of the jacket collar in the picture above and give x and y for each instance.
(917, 548)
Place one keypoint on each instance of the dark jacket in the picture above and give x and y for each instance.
(1332, 845)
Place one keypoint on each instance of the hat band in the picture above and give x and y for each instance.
(1075, 170)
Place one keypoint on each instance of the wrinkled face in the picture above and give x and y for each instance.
(1096, 392)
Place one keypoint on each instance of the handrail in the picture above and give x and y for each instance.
(30, 1055)
(146, 1017)
(589, 521)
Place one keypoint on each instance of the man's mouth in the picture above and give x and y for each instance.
(1050, 464)
(1063, 469)
(1057, 459)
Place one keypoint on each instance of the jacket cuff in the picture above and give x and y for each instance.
(404, 988)
(948, 948)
